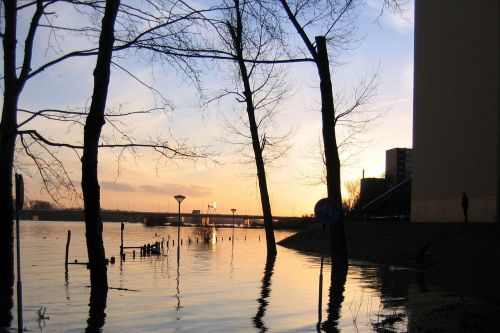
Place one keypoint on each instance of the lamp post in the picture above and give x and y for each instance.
(179, 198)
(234, 211)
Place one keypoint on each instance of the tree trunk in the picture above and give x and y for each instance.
(92, 132)
(261, 175)
(337, 233)
(236, 35)
(259, 162)
(8, 128)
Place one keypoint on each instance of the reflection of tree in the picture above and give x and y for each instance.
(97, 307)
(394, 289)
(264, 295)
(336, 297)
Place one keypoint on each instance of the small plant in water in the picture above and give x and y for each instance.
(354, 307)
(41, 317)
(41, 313)
(388, 322)
(205, 232)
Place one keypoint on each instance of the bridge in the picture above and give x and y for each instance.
(125, 216)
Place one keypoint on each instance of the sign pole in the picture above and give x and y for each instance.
(19, 206)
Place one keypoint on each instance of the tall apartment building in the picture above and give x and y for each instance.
(456, 110)
(398, 164)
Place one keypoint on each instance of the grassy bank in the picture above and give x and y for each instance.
(464, 257)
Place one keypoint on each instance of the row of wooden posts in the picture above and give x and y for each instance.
(145, 250)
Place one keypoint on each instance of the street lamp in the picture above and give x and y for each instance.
(179, 198)
(234, 211)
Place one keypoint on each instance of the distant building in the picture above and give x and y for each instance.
(370, 189)
(196, 218)
(398, 164)
(393, 197)
(456, 111)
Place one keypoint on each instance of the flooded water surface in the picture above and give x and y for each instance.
(226, 285)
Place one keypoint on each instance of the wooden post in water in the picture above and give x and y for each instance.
(67, 251)
(121, 238)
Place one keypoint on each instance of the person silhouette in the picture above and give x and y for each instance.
(465, 206)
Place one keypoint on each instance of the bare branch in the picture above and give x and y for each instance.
(181, 150)
(55, 178)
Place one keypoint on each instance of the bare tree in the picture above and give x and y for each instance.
(334, 20)
(92, 134)
(13, 85)
(243, 39)
(320, 55)
(239, 42)
(353, 119)
(242, 35)
(353, 188)
(249, 38)
(15, 79)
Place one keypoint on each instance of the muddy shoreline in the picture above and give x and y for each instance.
(454, 251)
(461, 258)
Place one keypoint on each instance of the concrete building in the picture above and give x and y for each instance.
(398, 164)
(389, 197)
(456, 110)
(371, 188)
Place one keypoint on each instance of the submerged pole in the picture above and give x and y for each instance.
(19, 206)
(122, 227)
(68, 240)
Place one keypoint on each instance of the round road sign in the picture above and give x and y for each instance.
(327, 210)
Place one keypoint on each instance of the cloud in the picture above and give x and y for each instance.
(173, 189)
(408, 76)
(164, 189)
(120, 187)
(402, 23)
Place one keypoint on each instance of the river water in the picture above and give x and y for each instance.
(222, 286)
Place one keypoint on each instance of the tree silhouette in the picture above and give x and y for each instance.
(335, 20)
(50, 168)
(240, 36)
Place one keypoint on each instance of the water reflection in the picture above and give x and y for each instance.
(178, 294)
(336, 297)
(221, 282)
(97, 307)
(6, 298)
(264, 295)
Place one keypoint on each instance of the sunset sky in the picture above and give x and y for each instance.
(140, 183)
